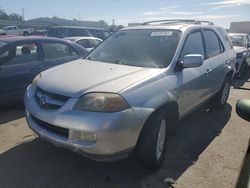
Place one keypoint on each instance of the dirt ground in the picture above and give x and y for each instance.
(207, 151)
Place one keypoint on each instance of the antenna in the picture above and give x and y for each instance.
(23, 13)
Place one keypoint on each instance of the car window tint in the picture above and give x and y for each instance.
(193, 45)
(77, 32)
(24, 53)
(212, 43)
(97, 33)
(57, 50)
(84, 43)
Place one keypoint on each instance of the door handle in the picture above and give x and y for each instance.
(209, 71)
(226, 63)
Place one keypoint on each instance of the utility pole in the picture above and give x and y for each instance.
(22, 13)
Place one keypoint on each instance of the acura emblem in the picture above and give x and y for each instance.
(43, 100)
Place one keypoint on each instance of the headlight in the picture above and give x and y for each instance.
(36, 79)
(101, 102)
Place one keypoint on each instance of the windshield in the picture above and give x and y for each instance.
(237, 40)
(2, 44)
(143, 48)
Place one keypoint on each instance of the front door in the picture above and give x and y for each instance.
(195, 82)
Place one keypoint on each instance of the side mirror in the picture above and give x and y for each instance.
(192, 60)
(243, 109)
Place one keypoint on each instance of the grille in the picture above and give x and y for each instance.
(55, 129)
(48, 100)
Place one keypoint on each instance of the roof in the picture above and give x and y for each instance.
(172, 26)
(29, 38)
(79, 38)
(244, 34)
(77, 27)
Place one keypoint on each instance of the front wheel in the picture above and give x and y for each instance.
(221, 97)
(151, 146)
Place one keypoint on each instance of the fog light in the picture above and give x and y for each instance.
(87, 136)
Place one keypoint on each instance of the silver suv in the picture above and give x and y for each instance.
(131, 91)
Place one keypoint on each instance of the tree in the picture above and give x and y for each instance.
(3, 14)
(103, 23)
(15, 17)
(11, 17)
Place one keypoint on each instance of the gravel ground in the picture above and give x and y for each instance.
(207, 151)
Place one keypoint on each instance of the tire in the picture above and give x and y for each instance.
(151, 146)
(220, 99)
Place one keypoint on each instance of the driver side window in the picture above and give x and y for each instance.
(194, 45)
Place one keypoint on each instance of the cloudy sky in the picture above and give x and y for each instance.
(222, 12)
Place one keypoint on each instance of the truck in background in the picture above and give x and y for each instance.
(14, 30)
(240, 27)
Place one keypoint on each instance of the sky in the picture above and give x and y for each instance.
(221, 12)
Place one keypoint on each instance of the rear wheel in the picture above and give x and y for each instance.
(221, 97)
(151, 146)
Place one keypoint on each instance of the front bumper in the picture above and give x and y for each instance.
(116, 133)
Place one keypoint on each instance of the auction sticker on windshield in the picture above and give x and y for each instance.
(161, 33)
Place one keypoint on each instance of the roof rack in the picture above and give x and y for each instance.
(171, 21)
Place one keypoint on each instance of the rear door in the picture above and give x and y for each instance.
(56, 53)
(19, 65)
(218, 58)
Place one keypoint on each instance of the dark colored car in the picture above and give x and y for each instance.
(41, 32)
(22, 58)
(72, 31)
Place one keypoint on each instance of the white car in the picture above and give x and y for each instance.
(89, 43)
(241, 44)
(14, 30)
(2, 32)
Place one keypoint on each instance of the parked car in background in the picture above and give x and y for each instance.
(72, 31)
(131, 90)
(22, 58)
(14, 30)
(41, 32)
(89, 43)
(241, 44)
(2, 32)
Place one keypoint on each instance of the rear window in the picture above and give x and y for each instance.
(68, 32)
(225, 37)
(237, 40)
(72, 32)
(213, 44)
(58, 32)
(57, 50)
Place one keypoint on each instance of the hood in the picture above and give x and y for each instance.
(81, 76)
(239, 49)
